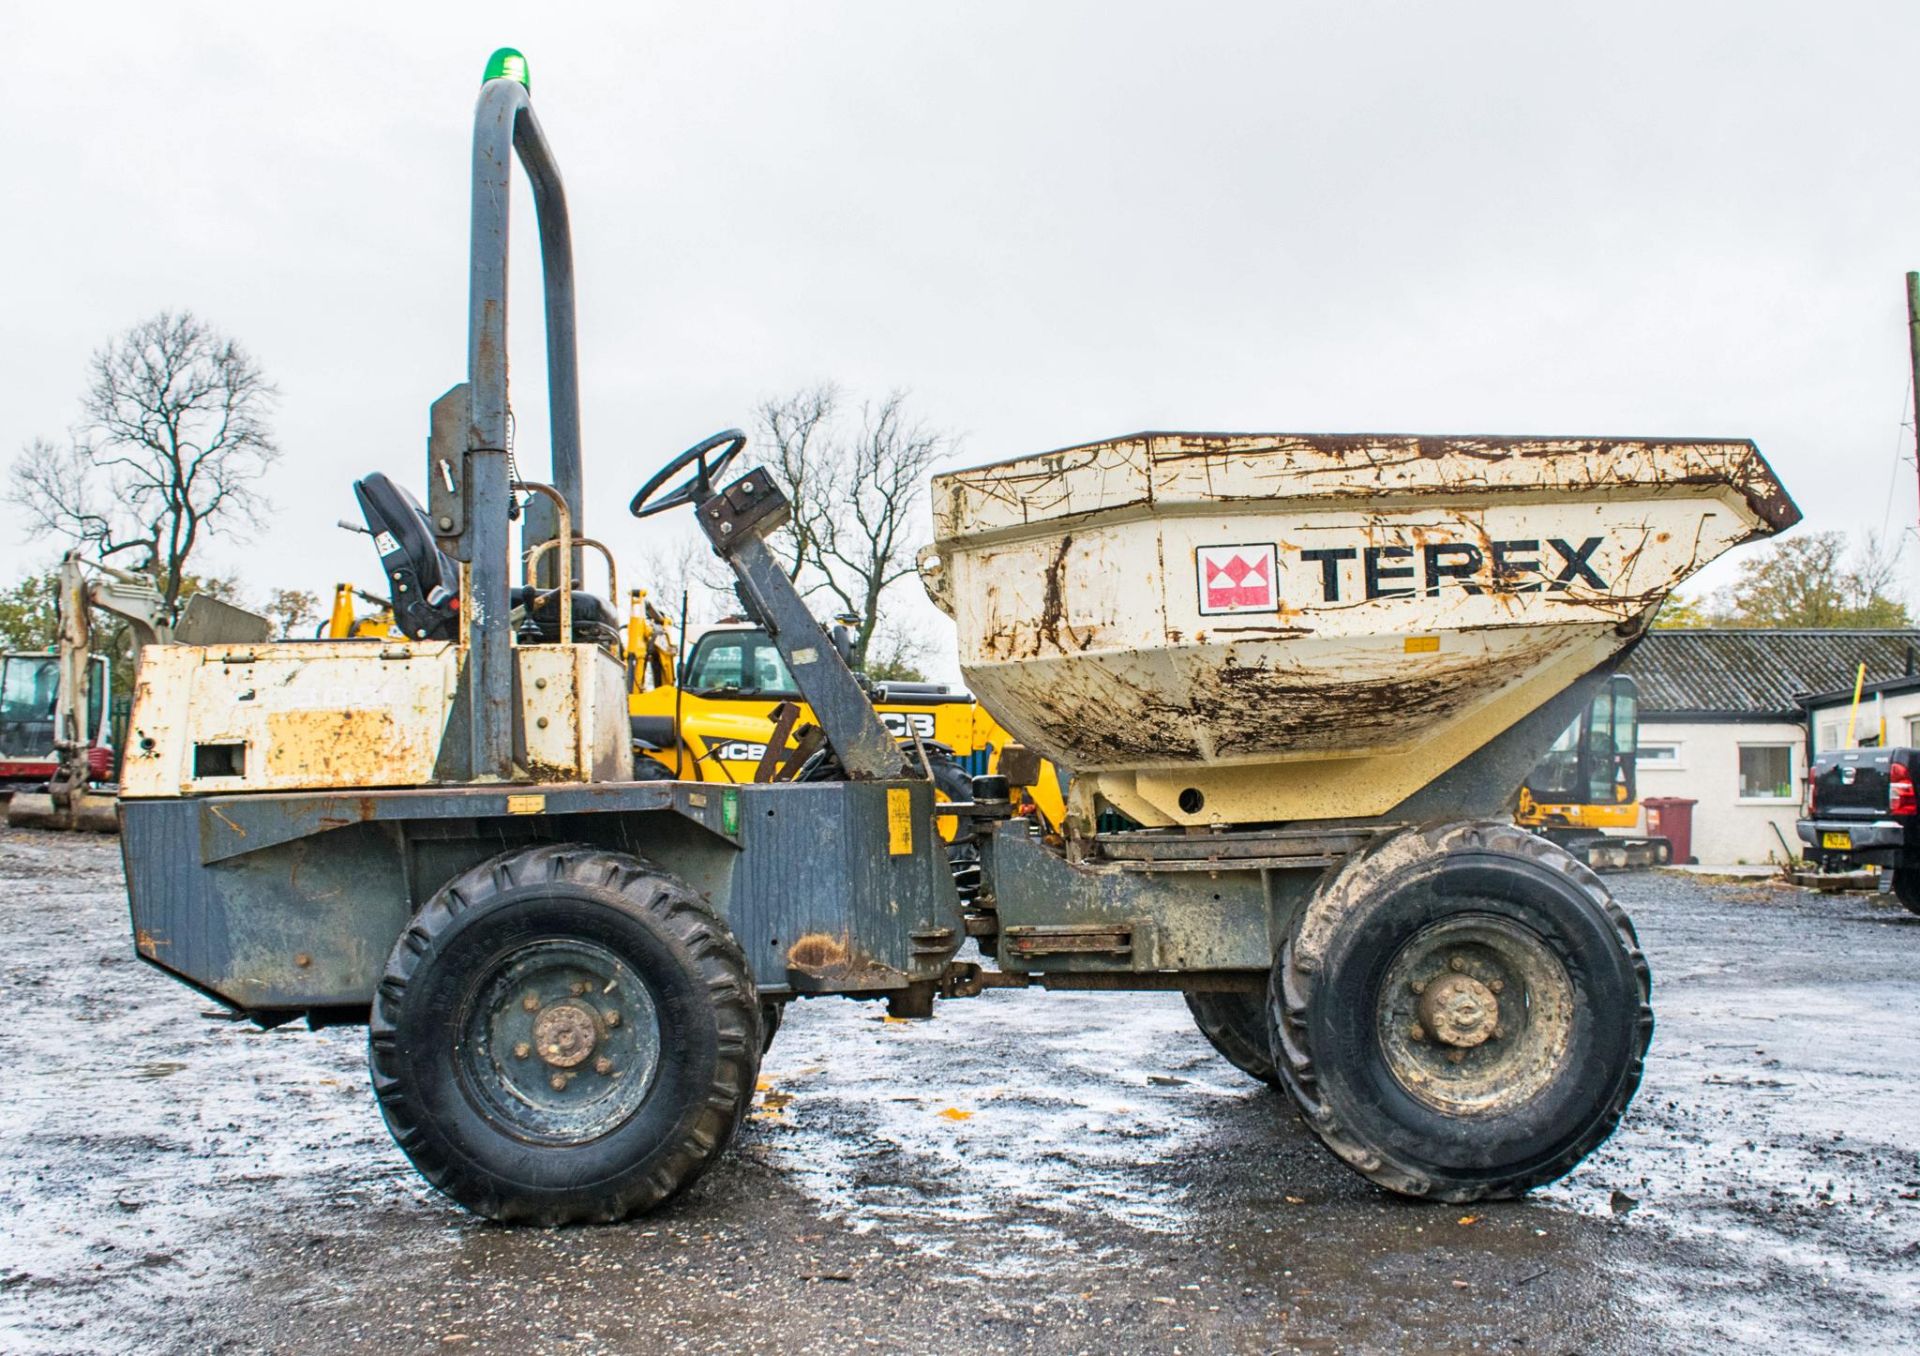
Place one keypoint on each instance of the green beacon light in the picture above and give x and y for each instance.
(508, 64)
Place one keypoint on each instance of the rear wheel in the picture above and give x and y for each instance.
(1235, 1025)
(564, 1034)
(1461, 1012)
(1906, 887)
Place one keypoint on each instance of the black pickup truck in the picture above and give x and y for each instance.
(1862, 811)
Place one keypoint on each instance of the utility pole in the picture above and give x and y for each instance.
(1913, 353)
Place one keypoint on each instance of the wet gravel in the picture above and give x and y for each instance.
(1030, 1172)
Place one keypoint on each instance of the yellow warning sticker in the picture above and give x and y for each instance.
(526, 805)
(1423, 644)
(899, 821)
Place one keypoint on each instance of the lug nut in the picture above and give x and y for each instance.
(579, 987)
(611, 1016)
(1499, 1033)
(1457, 964)
(1418, 986)
(522, 1050)
(558, 1082)
(1417, 1031)
(531, 1002)
(603, 1066)
(1455, 1056)
(1497, 985)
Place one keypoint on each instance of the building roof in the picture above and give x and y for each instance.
(1841, 696)
(1759, 675)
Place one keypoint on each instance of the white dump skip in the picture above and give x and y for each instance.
(1169, 602)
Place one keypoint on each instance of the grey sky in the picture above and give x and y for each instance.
(1052, 222)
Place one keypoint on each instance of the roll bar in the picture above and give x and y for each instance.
(504, 126)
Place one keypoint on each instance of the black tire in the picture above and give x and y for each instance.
(1906, 887)
(770, 1015)
(1235, 1024)
(1559, 1021)
(645, 769)
(952, 782)
(544, 1136)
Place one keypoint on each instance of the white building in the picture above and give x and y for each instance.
(1729, 719)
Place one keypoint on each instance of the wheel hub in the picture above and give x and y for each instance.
(1459, 1010)
(1475, 1014)
(565, 1034)
(562, 1041)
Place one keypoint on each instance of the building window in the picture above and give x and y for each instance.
(1766, 772)
(1658, 757)
(1913, 731)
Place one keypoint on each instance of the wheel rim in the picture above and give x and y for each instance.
(560, 1042)
(1475, 1015)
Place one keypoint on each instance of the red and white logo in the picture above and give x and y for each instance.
(1237, 579)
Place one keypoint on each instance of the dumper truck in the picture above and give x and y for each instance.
(1308, 671)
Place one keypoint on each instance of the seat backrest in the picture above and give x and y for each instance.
(425, 583)
(594, 620)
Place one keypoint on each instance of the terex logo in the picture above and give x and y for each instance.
(1517, 566)
(1237, 579)
(1247, 578)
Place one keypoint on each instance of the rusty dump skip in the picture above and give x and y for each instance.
(1151, 606)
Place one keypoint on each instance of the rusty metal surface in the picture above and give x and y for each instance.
(1163, 471)
(307, 715)
(291, 902)
(1180, 601)
(1114, 919)
(820, 902)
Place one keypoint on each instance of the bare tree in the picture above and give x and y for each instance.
(174, 439)
(798, 430)
(856, 501)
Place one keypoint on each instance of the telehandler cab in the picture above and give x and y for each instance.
(1312, 671)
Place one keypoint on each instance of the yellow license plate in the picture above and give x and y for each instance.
(1842, 841)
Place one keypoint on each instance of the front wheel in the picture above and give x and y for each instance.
(1906, 887)
(563, 1035)
(1235, 1025)
(1461, 1012)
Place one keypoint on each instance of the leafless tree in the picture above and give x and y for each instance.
(174, 440)
(856, 500)
(797, 430)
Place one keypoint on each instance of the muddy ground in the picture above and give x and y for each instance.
(1029, 1173)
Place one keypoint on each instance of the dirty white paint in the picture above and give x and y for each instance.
(306, 716)
(1169, 602)
(329, 715)
(573, 714)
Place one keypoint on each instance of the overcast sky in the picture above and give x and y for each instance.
(1053, 223)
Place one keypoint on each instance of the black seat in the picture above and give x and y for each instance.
(426, 584)
(594, 620)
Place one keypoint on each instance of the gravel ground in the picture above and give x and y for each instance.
(1030, 1172)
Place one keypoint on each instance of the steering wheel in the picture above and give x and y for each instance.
(698, 486)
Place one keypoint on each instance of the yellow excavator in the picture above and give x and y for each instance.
(344, 622)
(730, 712)
(1583, 794)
